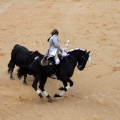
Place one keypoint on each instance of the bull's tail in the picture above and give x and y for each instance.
(23, 70)
(11, 66)
(11, 63)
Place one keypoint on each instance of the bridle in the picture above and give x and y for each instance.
(73, 58)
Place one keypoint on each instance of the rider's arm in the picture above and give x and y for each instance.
(56, 43)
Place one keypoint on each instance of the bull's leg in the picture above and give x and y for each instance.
(8, 70)
(42, 84)
(24, 81)
(11, 71)
(34, 85)
(64, 89)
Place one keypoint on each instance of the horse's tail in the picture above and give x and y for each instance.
(22, 71)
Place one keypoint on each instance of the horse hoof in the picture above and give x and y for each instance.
(24, 83)
(40, 95)
(12, 78)
(49, 99)
(57, 95)
(61, 88)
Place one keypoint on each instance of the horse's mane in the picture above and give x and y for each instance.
(75, 49)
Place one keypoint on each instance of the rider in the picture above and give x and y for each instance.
(54, 48)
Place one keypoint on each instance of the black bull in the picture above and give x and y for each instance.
(63, 71)
(20, 55)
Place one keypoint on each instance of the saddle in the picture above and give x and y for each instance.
(44, 61)
(49, 61)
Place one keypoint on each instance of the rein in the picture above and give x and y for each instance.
(69, 61)
(72, 58)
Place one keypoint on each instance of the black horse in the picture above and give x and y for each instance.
(20, 55)
(64, 71)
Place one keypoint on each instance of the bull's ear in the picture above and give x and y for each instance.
(88, 52)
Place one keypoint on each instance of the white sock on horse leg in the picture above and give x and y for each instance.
(63, 92)
(38, 92)
(45, 93)
(68, 87)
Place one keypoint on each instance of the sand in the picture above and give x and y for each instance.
(93, 25)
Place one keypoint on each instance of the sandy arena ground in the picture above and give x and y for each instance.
(90, 24)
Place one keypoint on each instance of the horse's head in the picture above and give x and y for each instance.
(83, 60)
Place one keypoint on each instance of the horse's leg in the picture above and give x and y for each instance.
(65, 84)
(65, 80)
(42, 84)
(34, 85)
(24, 81)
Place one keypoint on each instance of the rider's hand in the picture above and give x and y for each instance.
(64, 53)
(65, 50)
